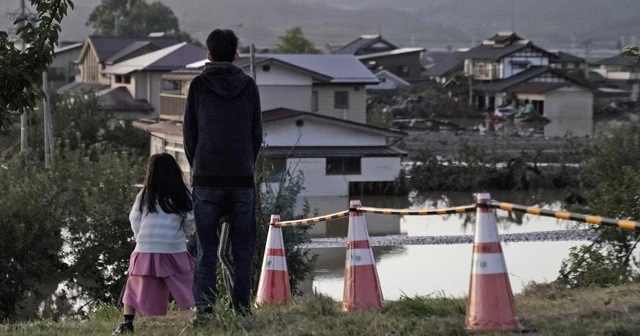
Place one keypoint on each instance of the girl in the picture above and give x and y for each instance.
(161, 219)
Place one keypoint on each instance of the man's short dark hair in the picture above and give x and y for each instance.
(222, 45)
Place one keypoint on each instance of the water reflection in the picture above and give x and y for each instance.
(422, 270)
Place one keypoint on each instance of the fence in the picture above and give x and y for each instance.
(490, 306)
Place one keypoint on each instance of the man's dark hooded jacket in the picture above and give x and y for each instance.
(222, 127)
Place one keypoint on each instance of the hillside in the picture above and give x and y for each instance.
(424, 22)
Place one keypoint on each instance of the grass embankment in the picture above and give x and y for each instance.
(551, 311)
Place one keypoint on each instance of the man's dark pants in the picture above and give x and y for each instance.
(238, 205)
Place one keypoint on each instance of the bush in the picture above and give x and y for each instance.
(613, 184)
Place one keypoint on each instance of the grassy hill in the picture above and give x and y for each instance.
(548, 310)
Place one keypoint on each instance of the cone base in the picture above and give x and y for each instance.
(361, 289)
(274, 289)
(491, 307)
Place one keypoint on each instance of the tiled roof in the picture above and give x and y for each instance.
(120, 99)
(284, 113)
(78, 87)
(619, 61)
(334, 68)
(520, 79)
(107, 46)
(394, 52)
(131, 48)
(326, 151)
(564, 57)
(443, 62)
(362, 42)
(167, 59)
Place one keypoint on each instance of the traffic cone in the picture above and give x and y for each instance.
(273, 287)
(361, 283)
(491, 306)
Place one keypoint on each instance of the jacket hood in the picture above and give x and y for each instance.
(224, 79)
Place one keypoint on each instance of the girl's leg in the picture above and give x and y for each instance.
(126, 327)
(129, 314)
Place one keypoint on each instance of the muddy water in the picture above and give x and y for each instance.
(443, 269)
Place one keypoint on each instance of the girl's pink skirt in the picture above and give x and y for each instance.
(152, 276)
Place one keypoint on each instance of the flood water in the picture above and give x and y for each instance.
(439, 269)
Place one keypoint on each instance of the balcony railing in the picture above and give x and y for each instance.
(172, 106)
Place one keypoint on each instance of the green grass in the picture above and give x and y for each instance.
(547, 309)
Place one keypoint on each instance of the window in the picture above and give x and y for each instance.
(314, 101)
(343, 166)
(341, 99)
(123, 79)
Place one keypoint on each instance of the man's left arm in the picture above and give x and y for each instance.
(256, 125)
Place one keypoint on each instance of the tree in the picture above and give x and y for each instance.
(294, 42)
(135, 18)
(22, 71)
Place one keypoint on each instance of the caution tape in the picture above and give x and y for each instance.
(428, 212)
(307, 221)
(596, 220)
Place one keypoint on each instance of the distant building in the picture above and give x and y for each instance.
(443, 66)
(508, 70)
(379, 54)
(314, 113)
(621, 72)
(99, 51)
(142, 76)
(567, 61)
(330, 85)
(62, 69)
(337, 157)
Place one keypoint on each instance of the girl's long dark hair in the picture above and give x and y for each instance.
(164, 185)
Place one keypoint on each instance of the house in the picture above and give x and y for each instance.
(99, 51)
(337, 157)
(62, 69)
(568, 61)
(329, 85)
(502, 56)
(562, 99)
(443, 66)
(621, 72)
(142, 76)
(388, 81)
(379, 54)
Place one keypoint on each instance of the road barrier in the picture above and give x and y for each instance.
(490, 305)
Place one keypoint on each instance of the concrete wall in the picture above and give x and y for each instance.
(570, 109)
(318, 133)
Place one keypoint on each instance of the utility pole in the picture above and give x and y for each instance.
(587, 47)
(46, 109)
(24, 118)
(252, 58)
(116, 23)
(513, 11)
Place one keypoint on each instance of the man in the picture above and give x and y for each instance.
(222, 138)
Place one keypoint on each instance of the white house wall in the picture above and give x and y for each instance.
(285, 133)
(280, 76)
(295, 97)
(570, 109)
(357, 110)
(318, 183)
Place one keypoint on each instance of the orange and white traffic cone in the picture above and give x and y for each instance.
(362, 289)
(491, 306)
(273, 287)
